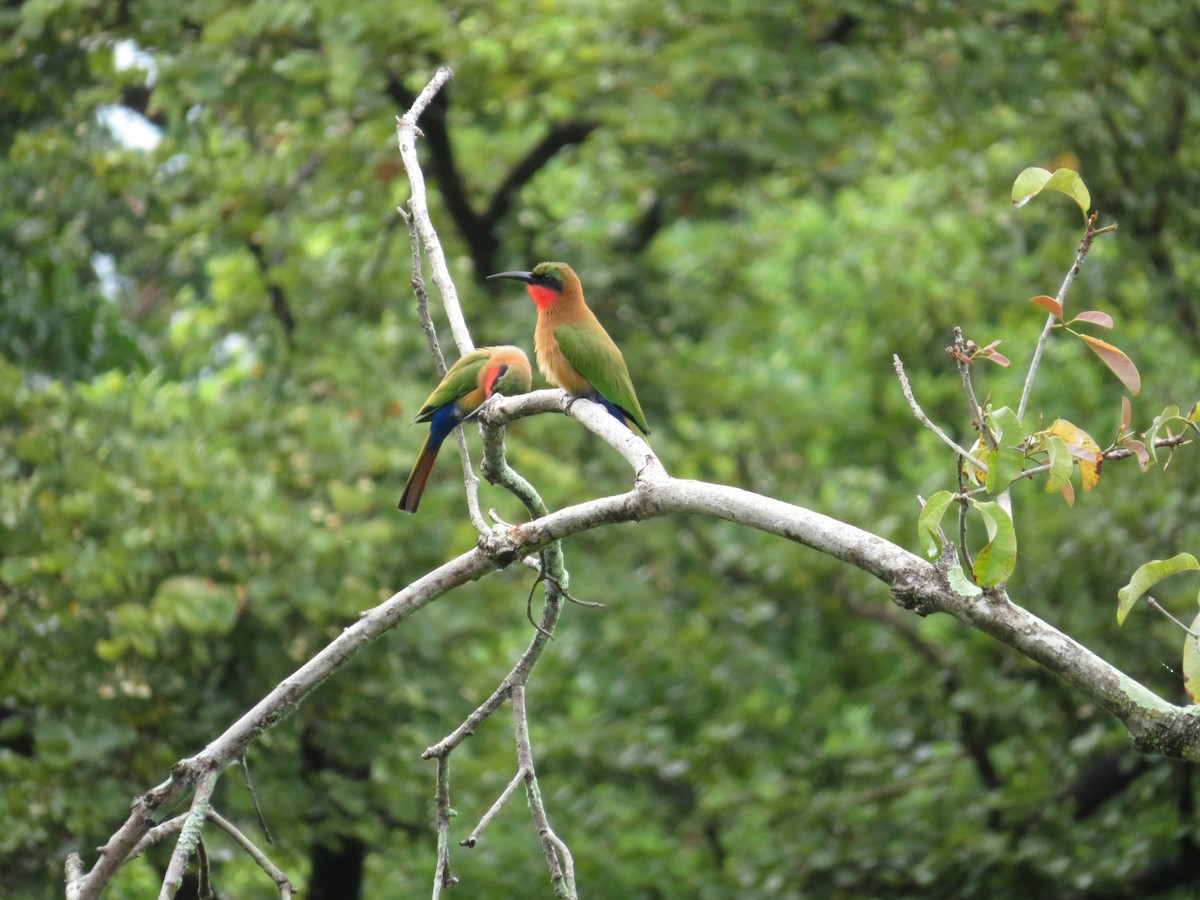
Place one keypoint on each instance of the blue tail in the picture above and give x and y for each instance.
(619, 414)
(441, 423)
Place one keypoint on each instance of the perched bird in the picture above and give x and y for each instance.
(470, 381)
(573, 350)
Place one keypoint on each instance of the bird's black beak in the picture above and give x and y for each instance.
(526, 277)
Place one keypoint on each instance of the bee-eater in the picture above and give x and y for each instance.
(573, 350)
(470, 381)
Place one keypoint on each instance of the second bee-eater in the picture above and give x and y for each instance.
(470, 381)
(573, 350)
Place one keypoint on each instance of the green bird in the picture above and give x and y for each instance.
(573, 350)
(470, 381)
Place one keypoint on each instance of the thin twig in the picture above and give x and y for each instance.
(926, 421)
(262, 820)
(964, 552)
(961, 359)
(286, 889)
(417, 283)
(406, 137)
(562, 870)
(518, 675)
(1156, 605)
(204, 877)
(1089, 234)
(529, 607)
(473, 838)
(156, 834)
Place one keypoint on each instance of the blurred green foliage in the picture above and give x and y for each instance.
(210, 353)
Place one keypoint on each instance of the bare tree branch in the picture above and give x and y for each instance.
(189, 836)
(286, 889)
(441, 876)
(929, 423)
(558, 857)
(473, 838)
(406, 137)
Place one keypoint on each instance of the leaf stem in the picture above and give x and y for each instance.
(1089, 234)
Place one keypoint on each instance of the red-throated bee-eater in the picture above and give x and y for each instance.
(470, 381)
(573, 350)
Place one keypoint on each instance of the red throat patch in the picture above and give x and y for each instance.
(489, 383)
(544, 297)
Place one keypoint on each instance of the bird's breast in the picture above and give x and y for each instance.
(551, 362)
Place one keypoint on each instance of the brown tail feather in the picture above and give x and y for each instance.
(415, 486)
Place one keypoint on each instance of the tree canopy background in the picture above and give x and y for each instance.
(210, 355)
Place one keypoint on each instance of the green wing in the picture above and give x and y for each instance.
(598, 359)
(460, 380)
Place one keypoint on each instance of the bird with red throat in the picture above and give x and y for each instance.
(470, 381)
(573, 350)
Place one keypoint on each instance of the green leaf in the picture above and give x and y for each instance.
(1004, 467)
(931, 519)
(1121, 364)
(1151, 435)
(1191, 662)
(1148, 575)
(995, 562)
(1006, 460)
(1034, 181)
(1061, 461)
(1005, 424)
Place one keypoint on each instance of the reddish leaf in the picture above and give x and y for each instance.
(1068, 493)
(989, 352)
(1142, 454)
(1126, 414)
(1049, 304)
(1121, 364)
(1104, 320)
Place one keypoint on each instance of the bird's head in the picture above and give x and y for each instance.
(508, 372)
(545, 283)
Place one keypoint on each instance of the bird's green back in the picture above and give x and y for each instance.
(461, 379)
(597, 358)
